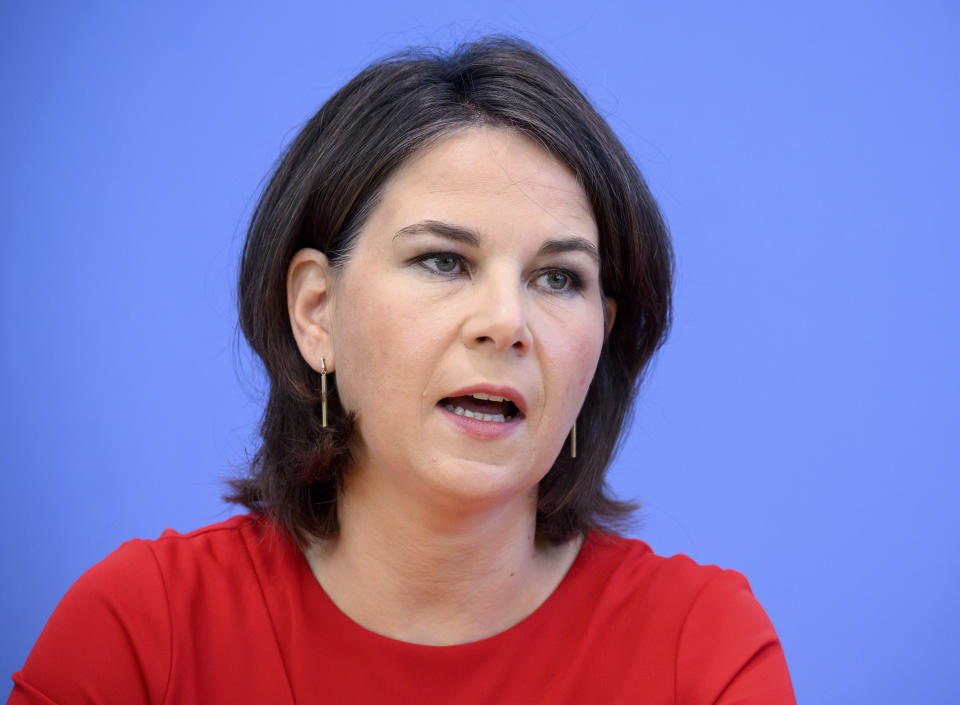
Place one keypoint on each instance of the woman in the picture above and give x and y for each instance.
(455, 279)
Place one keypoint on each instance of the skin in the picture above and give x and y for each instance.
(437, 523)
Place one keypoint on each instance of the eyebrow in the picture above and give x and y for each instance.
(572, 244)
(465, 235)
(436, 227)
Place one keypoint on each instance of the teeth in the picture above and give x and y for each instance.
(496, 418)
(488, 397)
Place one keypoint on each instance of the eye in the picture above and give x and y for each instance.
(556, 280)
(442, 262)
(559, 280)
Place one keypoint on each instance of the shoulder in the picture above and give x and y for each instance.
(631, 567)
(223, 546)
(699, 622)
(208, 583)
(671, 585)
(146, 570)
(119, 627)
(141, 559)
(634, 597)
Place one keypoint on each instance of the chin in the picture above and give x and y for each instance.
(483, 485)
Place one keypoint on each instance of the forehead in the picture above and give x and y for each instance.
(498, 179)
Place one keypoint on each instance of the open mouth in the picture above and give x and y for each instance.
(483, 407)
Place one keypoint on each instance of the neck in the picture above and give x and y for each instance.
(430, 576)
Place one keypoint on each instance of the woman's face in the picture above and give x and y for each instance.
(477, 275)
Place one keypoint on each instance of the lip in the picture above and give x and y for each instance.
(494, 390)
(488, 430)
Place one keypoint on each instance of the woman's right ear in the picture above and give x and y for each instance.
(309, 303)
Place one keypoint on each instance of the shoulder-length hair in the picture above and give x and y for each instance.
(322, 192)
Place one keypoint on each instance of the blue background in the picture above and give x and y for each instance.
(796, 426)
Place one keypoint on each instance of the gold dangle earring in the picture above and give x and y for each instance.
(573, 440)
(323, 393)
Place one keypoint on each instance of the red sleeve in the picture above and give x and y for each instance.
(107, 642)
(728, 652)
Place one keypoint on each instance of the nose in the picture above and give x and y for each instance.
(497, 316)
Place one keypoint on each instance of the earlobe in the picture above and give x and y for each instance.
(309, 304)
(609, 315)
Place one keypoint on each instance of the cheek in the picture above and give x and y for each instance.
(362, 364)
(383, 344)
(583, 369)
(572, 355)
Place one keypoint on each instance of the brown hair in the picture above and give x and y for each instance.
(323, 190)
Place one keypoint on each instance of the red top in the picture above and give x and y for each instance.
(232, 614)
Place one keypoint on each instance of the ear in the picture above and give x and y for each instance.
(609, 315)
(309, 303)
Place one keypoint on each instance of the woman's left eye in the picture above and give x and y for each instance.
(559, 280)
